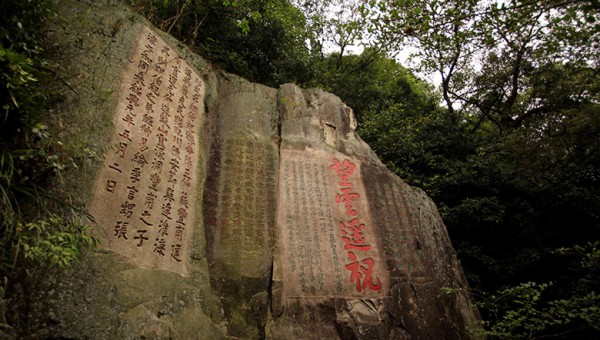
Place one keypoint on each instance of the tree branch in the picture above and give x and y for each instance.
(485, 110)
(177, 17)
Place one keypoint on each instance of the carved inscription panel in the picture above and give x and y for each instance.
(145, 193)
(247, 194)
(388, 203)
(327, 243)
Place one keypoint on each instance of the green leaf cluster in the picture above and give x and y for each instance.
(263, 41)
(53, 242)
(30, 235)
(512, 159)
(522, 312)
(509, 191)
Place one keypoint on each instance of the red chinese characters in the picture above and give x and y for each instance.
(355, 242)
(353, 236)
(361, 273)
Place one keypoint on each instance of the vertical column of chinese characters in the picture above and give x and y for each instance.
(153, 72)
(250, 188)
(236, 187)
(306, 225)
(269, 194)
(176, 161)
(300, 246)
(332, 236)
(288, 216)
(387, 205)
(129, 139)
(271, 170)
(259, 195)
(241, 191)
(355, 243)
(188, 144)
(314, 196)
(225, 199)
(230, 220)
(162, 163)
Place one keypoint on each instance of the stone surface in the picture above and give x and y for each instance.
(325, 233)
(385, 255)
(143, 192)
(239, 201)
(272, 218)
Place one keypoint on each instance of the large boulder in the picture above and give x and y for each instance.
(228, 209)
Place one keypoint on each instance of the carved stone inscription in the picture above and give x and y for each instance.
(145, 194)
(326, 242)
(389, 207)
(247, 194)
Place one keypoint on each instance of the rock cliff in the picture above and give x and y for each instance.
(228, 209)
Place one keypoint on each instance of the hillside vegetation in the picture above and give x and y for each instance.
(507, 144)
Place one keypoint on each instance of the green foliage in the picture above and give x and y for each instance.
(519, 313)
(531, 311)
(371, 83)
(263, 41)
(30, 235)
(508, 193)
(486, 51)
(513, 309)
(22, 103)
(334, 26)
(513, 160)
(53, 241)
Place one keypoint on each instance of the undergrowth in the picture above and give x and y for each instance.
(39, 231)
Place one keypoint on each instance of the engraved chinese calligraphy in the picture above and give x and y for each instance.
(144, 199)
(389, 207)
(305, 222)
(326, 243)
(357, 246)
(247, 194)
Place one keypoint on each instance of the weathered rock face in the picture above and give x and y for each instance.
(228, 209)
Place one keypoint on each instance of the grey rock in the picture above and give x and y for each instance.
(239, 284)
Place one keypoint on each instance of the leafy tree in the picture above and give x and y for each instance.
(262, 40)
(335, 27)
(519, 179)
